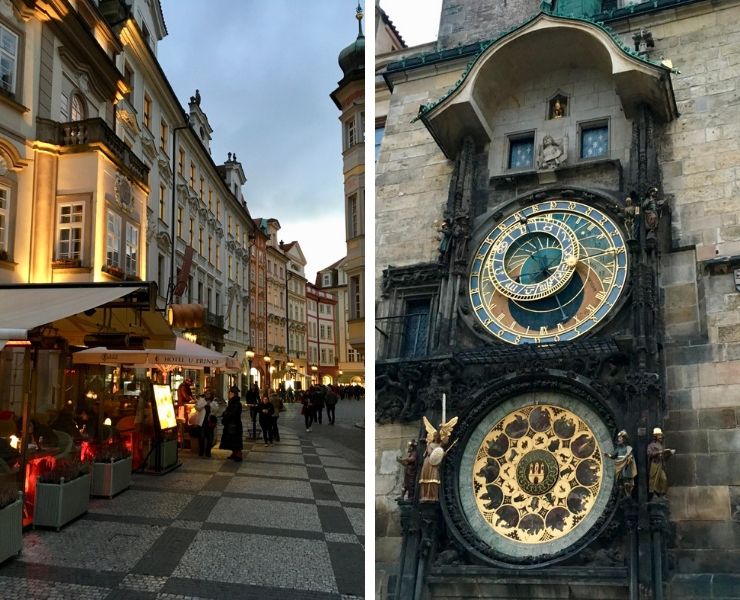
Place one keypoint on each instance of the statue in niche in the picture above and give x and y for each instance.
(624, 464)
(437, 448)
(553, 153)
(651, 209)
(630, 212)
(409, 471)
(558, 106)
(657, 456)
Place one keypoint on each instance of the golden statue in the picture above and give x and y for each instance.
(437, 446)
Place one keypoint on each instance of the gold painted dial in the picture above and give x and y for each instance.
(537, 474)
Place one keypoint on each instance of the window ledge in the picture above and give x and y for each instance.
(71, 269)
(9, 100)
(581, 164)
(8, 265)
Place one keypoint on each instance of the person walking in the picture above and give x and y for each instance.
(307, 408)
(318, 404)
(277, 404)
(199, 423)
(253, 401)
(331, 400)
(266, 411)
(231, 439)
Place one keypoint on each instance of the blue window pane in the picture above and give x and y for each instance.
(379, 131)
(521, 153)
(416, 329)
(594, 142)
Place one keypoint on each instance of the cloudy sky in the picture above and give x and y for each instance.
(416, 20)
(265, 71)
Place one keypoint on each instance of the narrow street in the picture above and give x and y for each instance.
(286, 522)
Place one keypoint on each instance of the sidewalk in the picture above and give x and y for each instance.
(286, 522)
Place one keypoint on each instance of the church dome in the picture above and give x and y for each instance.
(352, 58)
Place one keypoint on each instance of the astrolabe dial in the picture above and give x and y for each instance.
(537, 474)
(533, 259)
(549, 272)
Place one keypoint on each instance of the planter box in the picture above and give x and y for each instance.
(59, 503)
(111, 478)
(11, 529)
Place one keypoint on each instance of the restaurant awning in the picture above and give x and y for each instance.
(63, 306)
(186, 354)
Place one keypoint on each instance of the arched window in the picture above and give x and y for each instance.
(77, 107)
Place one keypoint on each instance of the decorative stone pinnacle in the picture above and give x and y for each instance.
(359, 15)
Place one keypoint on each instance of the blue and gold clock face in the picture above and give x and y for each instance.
(548, 273)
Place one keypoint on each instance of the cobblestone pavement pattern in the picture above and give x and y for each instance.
(288, 522)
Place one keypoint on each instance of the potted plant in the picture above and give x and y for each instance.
(62, 492)
(11, 521)
(111, 469)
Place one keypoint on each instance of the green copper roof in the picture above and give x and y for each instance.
(483, 46)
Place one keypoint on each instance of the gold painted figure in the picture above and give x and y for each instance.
(657, 456)
(624, 463)
(437, 443)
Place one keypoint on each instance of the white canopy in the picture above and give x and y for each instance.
(186, 354)
(24, 307)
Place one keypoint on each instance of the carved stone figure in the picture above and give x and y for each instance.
(409, 471)
(558, 110)
(650, 208)
(552, 153)
(444, 233)
(657, 457)
(437, 441)
(624, 463)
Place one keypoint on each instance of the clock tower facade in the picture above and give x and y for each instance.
(534, 269)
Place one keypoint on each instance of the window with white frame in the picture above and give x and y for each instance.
(8, 59)
(132, 249)
(350, 133)
(77, 107)
(353, 212)
(70, 229)
(355, 290)
(4, 217)
(113, 241)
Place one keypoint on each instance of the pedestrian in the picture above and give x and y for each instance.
(253, 400)
(318, 404)
(277, 403)
(331, 400)
(185, 393)
(307, 408)
(231, 439)
(198, 422)
(266, 411)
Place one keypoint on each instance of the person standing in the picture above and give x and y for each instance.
(185, 393)
(266, 411)
(331, 400)
(231, 439)
(318, 404)
(253, 400)
(307, 409)
(277, 404)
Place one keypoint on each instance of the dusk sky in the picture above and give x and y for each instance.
(265, 71)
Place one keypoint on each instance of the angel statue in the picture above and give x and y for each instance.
(436, 443)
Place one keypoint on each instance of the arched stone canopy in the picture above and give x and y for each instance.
(544, 44)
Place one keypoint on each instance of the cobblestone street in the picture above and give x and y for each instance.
(287, 522)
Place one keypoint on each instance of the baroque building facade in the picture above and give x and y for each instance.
(555, 212)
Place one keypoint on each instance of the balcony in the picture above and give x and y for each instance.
(92, 134)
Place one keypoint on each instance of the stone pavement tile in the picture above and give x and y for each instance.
(125, 594)
(348, 561)
(264, 486)
(213, 493)
(325, 452)
(97, 545)
(94, 516)
(217, 483)
(143, 583)
(265, 560)
(266, 459)
(312, 459)
(324, 491)
(356, 516)
(84, 577)
(177, 480)
(346, 538)
(316, 472)
(266, 513)
(35, 589)
(166, 553)
(198, 509)
(195, 464)
(345, 475)
(328, 503)
(334, 461)
(275, 449)
(157, 504)
(252, 529)
(335, 520)
(274, 470)
(219, 590)
(183, 524)
(350, 493)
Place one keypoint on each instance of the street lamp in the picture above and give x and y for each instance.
(267, 370)
(249, 353)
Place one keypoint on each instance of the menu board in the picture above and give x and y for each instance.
(165, 408)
